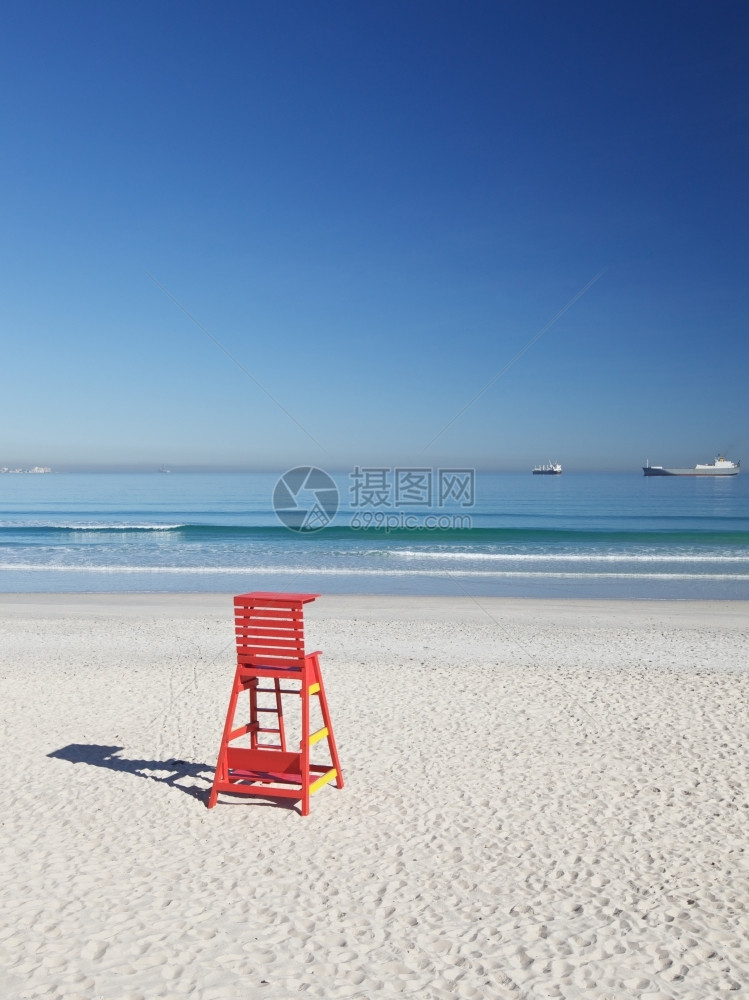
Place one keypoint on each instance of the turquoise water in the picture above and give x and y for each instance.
(574, 535)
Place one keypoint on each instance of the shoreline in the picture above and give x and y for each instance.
(373, 606)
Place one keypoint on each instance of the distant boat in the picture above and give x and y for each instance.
(164, 469)
(720, 467)
(551, 469)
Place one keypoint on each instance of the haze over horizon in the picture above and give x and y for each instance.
(140, 468)
(261, 236)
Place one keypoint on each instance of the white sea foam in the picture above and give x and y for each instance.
(110, 527)
(564, 557)
(334, 571)
(90, 526)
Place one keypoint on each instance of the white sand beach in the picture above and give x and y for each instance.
(543, 799)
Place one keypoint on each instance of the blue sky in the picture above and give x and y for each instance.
(373, 207)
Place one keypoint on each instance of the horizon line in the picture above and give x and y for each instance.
(188, 469)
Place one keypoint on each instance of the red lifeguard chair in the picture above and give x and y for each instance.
(271, 665)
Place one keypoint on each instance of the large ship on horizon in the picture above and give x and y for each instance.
(720, 467)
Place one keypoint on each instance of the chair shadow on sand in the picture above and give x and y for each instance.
(170, 772)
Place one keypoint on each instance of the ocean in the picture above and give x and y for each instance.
(582, 535)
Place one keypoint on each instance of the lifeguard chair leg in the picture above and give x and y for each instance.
(222, 770)
(253, 712)
(305, 742)
(326, 721)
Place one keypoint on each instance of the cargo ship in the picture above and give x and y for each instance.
(552, 469)
(720, 467)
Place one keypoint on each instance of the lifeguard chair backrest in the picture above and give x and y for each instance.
(270, 629)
